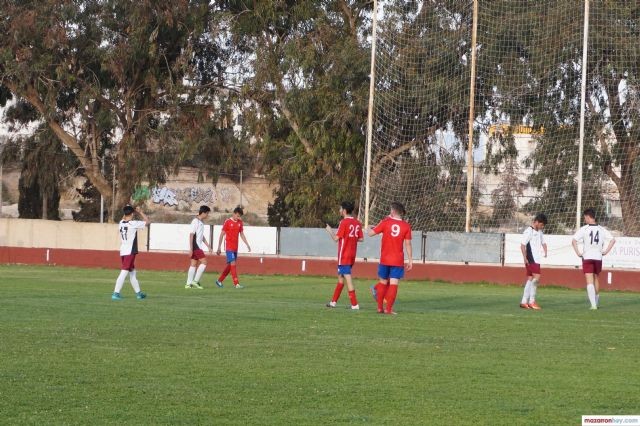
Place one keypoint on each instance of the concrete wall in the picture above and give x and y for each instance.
(62, 235)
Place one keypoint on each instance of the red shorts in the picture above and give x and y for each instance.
(198, 254)
(591, 266)
(532, 268)
(128, 262)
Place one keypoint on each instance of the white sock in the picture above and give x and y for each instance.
(591, 292)
(532, 291)
(527, 290)
(200, 271)
(134, 281)
(120, 281)
(190, 274)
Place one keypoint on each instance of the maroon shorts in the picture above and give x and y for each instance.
(128, 262)
(532, 268)
(197, 254)
(591, 266)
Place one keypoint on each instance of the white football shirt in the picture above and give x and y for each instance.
(592, 238)
(533, 240)
(129, 236)
(197, 229)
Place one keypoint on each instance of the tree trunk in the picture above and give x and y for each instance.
(45, 206)
(92, 171)
(630, 207)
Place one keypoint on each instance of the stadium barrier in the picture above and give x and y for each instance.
(464, 247)
(274, 252)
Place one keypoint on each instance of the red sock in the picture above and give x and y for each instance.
(352, 297)
(234, 274)
(392, 292)
(224, 273)
(381, 289)
(337, 292)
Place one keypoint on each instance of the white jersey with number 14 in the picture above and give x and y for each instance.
(592, 238)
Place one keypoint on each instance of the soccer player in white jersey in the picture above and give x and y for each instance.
(197, 245)
(128, 250)
(533, 248)
(593, 237)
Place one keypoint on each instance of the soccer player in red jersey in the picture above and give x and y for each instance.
(348, 236)
(231, 229)
(128, 249)
(396, 237)
(197, 245)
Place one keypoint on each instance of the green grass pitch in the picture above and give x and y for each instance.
(273, 354)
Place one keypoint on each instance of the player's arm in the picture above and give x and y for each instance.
(191, 243)
(544, 247)
(206, 243)
(145, 219)
(222, 233)
(523, 249)
(409, 249)
(373, 231)
(245, 240)
(574, 243)
(609, 247)
(329, 230)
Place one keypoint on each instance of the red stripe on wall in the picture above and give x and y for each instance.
(270, 265)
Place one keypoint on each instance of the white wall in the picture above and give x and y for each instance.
(625, 253)
(262, 239)
(172, 237)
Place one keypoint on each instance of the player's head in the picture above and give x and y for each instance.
(128, 210)
(398, 209)
(238, 211)
(204, 211)
(539, 221)
(347, 207)
(589, 215)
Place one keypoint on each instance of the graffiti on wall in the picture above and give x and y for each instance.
(172, 196)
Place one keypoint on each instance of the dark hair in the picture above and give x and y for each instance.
(541, 218)
(590, 212)
(398, 208)
(204, 209)
(128, 210)
(239, 210)
(347, 206)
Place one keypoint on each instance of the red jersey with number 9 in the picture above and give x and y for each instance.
(349, 232)
(394, 233)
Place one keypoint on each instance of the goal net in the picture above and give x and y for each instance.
(529, 118)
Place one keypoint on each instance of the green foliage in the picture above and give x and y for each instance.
(307, 101)
(529, 72)
(132, 78)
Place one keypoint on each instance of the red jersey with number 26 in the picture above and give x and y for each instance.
(232, 228)
(394, 233)
(349, 232)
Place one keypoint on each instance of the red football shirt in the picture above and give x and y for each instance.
(232, 228)
(349, 232)
(394, 233)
